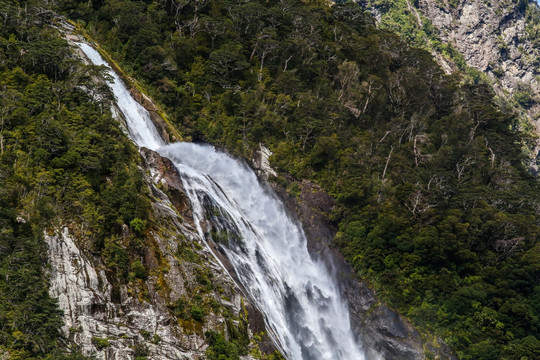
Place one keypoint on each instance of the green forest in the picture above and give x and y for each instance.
(433, 204)
(63, 160)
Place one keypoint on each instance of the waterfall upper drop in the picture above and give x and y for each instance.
(302, 305)
(140, 126)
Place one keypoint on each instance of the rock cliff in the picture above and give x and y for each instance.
(498, 38)
(150, 316)
(493, 37)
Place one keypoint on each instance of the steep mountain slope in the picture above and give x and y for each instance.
(423, 169)
(95, 259)
(380, 329)
(497, 38)
(416, 175)
(175, 294)
(125, 269)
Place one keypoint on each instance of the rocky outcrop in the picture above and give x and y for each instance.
(491, 35)
(261, 162)
(116, 321)
(165, 176)
(100, 326)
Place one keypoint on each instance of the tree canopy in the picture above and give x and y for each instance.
(432, 203)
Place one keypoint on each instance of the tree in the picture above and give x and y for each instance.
(265, 44)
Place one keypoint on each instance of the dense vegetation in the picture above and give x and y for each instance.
(433, 205)
(63, 160)
(405, 18)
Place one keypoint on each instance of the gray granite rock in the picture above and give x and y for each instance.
(124, 315)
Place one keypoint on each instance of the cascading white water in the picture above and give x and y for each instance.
(268, 252)
(140, 126)
(301, 303)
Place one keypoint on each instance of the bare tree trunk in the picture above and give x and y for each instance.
(415, 150)
(492, 158)
(261, 69)
(287, 63)
(2, 136)
(387, 161)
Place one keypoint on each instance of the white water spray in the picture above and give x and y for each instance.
(302, 305)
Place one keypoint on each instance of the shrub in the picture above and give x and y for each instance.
(220, 349)
(138, 270)
(137, 225)
(197, 313)
(140, 352)
(100, 343)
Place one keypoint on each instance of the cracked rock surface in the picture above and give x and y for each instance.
(110, 320)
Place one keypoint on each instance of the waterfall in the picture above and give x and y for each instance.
(303, 308)
(140, 126)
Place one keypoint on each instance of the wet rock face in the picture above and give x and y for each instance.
(375, 326)
(164, 174)
(160, 124)
(112, 320)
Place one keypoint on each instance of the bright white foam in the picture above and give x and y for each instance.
(269, 254)
(303, 308)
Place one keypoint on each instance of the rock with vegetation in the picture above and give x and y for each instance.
(432, 205)
(495, 38)
(425, 168)
(153, 293)
(95, 260)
